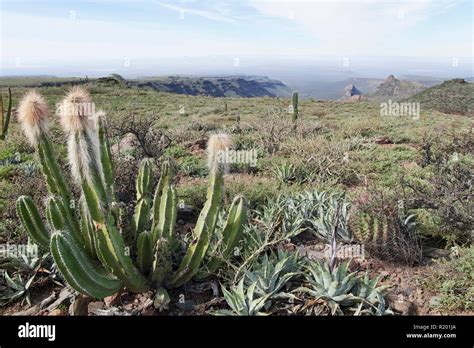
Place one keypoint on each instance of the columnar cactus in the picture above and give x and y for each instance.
(86, 245)
(295, 106)
(5, 119)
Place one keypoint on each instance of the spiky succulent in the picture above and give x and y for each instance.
(343, 291)
(242, 301)
(272, 274)
(87, 245)
(286, 173)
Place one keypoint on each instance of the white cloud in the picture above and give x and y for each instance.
(357, 26)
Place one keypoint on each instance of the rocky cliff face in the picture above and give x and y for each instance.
(234, 86)
(395, 89)
(351, 93)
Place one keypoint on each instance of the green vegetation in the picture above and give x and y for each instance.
(453, 282)
(395, 184)
(451, 97)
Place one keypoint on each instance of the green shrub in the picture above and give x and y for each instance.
(453, 282)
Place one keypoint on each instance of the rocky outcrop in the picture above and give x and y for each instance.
(395, 89)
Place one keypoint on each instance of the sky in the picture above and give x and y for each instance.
(106, 34)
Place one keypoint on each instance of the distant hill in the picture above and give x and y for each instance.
(452, 97)
(231, 86)
(395, 89)
(220, 86)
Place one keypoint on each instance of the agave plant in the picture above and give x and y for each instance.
(286, 173)
(23, 268)
(243, 302)
(87, 244)
(315, 210)
(271, 274)
(319, 210)
(341, 290)
(17, 287)
(273, 226)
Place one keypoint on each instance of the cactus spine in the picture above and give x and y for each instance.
(5, 120)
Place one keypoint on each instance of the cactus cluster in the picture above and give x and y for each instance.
(370, 229)
(5, 119)
(87, 244)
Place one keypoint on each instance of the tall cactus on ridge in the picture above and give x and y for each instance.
(5, 120)
(86, 244)
(294, 104)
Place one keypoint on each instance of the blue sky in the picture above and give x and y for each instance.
(34, 33)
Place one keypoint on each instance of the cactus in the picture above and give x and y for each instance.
(294, 106)
(145, 251)
(86, 244)
(370, 229)
(231, 233)
(31, 220)
(78, 270)
(203, 229)
(162, 266)
(5, 120)
(144, 186)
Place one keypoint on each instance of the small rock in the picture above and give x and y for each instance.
(95, 305)
(112, 300)
(383, 140)
(56, 313)
(197, 145)
(399, 304)
(80, 306)
(127, 143)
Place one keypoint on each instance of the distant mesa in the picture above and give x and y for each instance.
(221, 86)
